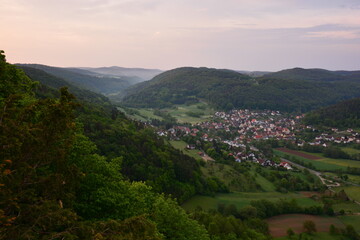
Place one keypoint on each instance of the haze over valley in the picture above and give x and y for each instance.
(180, 120)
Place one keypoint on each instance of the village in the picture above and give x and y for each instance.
(239, 128)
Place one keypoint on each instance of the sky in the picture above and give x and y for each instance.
(254, 35)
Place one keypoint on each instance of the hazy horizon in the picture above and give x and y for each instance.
(240, 35)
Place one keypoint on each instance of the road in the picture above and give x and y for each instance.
(318, 174)
(324, 181)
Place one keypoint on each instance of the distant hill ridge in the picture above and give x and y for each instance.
(315, 74)
(295, 89)
(141, 73)
(113, 80)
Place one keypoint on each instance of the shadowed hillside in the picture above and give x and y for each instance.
(297, 89)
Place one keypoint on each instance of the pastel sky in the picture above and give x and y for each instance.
(235, 34)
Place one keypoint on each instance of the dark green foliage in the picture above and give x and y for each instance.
(351, 233)
(285, 181)
(266, 209)
(335, 152)
(47, 80)
(230, 227)
(225, 89)
(342, 115)
(309, 227)
(315, 75)
(290, 233)
(145, 156)
(53, 186)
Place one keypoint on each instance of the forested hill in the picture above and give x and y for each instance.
(49, 85)
(314, 75)
(345, 114)
(185, 85)
(69, 172)
(145, 156)
(291, 90)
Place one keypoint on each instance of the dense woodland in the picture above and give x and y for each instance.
(345, 114)
(72, 169)
(294, 90)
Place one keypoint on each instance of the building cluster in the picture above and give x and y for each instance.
(237, 128)
(340, 137)
(251, 125)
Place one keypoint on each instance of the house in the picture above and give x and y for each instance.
(190, 146)
(285, 165)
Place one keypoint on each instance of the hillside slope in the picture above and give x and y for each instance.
(289, 90)
(86, 79)
(49, 85)
(345, 114)
(145, 156)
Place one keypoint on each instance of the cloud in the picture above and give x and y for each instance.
(335, 34)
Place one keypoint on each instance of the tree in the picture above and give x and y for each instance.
(351, 232)
(309, 226)
(333, 230)
(290, 232)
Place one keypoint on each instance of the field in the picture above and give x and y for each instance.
(353, 220)
(193, 113)
(319, 161)
(298, 153)
(182, 112)
(241, 200)
(342, 162)
(352, 191)
(265, 184)
(319, 165)
(350, 151)
(181, 145)
(348, 207)
(278, 225)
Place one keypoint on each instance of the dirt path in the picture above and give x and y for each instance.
(207, 158)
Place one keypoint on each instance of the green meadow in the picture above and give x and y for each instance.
(193, 113)
(181, 145)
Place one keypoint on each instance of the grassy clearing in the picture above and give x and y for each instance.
(353, 220)
(352, 191)
(148, 113)
(350, 151)
(222, 171)
(193, 113)
(341, 162)
(265, 184)
(278, 225)
(182, 112)
(354, 178)
(348, 207)
(241, 200)
(181, 145)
